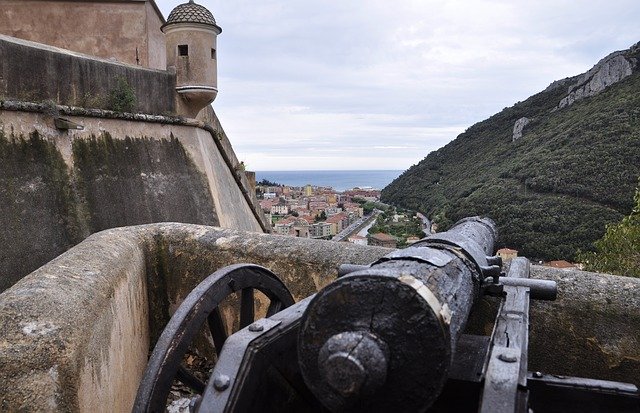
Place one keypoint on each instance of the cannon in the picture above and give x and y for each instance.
(389, 336)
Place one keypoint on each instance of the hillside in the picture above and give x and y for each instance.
(553, 189)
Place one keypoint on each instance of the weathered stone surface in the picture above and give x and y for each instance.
(74, 335)
(76, 331)
(605, 73)
(129, 32)
(75, 79)
(121, 169)
(518, 127)
(591, 330)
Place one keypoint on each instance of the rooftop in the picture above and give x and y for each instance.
(191, 13)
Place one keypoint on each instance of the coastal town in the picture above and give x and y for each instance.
(355, 215)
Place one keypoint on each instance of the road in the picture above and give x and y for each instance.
(426, 224)
(366, 220)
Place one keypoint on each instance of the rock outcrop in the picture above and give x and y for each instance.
(605, 73)
(518, 127)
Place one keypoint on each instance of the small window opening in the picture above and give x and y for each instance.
(183, 50)
(213, 53)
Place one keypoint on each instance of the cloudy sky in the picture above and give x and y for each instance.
(355, 84)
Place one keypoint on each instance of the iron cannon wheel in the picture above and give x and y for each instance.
(201, 305)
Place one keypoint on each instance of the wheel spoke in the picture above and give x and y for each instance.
(189, 379)
(217, 329)
(246, 307)
(200, 305)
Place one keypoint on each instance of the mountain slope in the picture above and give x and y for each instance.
(552, 190)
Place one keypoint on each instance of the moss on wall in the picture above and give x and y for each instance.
(37, 213)
(46, 207)
(137, 181)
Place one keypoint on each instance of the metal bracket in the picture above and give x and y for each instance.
(505, 382)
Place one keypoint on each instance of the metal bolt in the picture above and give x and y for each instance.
(353, 363)
(255, 327)
(508, 358)
(221, 382)
(537, 375)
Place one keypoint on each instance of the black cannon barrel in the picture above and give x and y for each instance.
(381, 339)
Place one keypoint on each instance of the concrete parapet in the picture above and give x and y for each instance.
(75, 333)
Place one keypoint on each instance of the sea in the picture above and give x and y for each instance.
(338, 180)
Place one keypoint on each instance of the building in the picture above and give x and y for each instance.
(301, 228)
(332, 210)
(358, 240)
(308, 190)
(279, 209)
(383, 240)
(320, 230)
(561, 265)
(412, 240)
(132, 33)
(129, 91)
(507, 254)
(338, 222)
(124, 31)
(283, 228)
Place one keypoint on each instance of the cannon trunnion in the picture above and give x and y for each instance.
(384, 337)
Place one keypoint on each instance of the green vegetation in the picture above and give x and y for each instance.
(554, 190)
(618, 251)
(322, 217)
(369, 206)
(122, 98)
(402, 227)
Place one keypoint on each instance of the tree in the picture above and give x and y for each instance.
(266, 182)
(618, 251)
(368, 207)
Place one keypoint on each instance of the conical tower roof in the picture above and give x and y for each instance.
(191, 13)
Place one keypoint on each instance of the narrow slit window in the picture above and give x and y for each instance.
(213, 53)
(183, 50)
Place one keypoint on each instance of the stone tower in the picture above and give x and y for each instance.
(190, 34)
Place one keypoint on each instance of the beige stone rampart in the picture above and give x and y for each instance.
(173, 170)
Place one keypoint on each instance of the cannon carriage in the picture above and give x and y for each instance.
(389, 336)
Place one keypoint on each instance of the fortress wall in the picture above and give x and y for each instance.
(35, 72)
(57, 187)
(92, 27)
(92, 302)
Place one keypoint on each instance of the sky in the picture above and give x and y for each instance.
(354, 84)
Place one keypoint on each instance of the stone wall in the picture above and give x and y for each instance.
(126, 30)
(57, 187)
(35, 72)
(65, 326)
